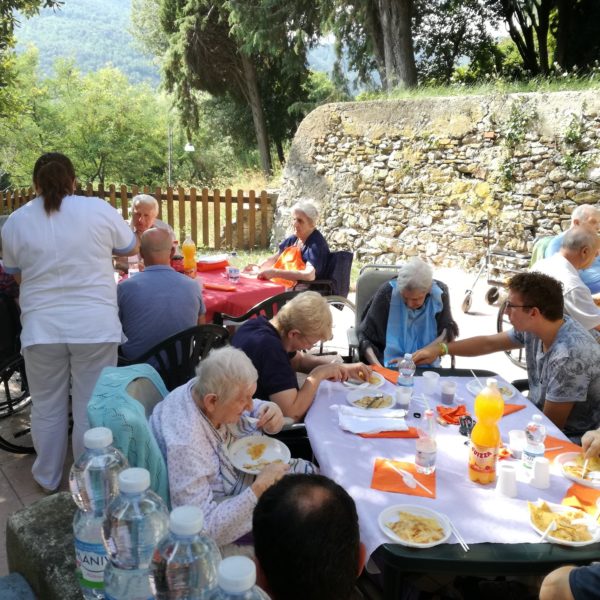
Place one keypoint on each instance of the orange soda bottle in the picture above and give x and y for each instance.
(188, 248)
(485, 436)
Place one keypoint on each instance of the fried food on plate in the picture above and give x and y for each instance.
(542, 515)
(417, 529)
(576, 469)
(255, 451)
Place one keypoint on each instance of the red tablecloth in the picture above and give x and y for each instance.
(249, 291)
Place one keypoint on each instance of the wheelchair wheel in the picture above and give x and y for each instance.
(15, 408)
(517, 356)
(467, 301)
(492, 295)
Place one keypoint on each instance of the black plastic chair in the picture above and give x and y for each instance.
(267, 308)
(177, 357)
(336, 281)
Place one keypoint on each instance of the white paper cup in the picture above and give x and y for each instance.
(448, 392)
(430, 382)
(541, 473)
(403, 395)
(233, 274)
(507, 480)
(516, 442)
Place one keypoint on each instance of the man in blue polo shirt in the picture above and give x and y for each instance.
(158, 302)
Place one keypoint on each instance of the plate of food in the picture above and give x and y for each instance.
(375, 380)
(571, 465)
(507, 390)
(253, 453)
(573, 527)
(414, 526)
(370, 399)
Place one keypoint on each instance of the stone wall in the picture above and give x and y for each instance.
(394, 179)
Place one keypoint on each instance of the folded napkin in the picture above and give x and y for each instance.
(411, 432)
(560, 446)
(452, 414)
(582, 497)
(512, 408)
(388, 480)
(222, 287)
(389, 374)
(360, 420)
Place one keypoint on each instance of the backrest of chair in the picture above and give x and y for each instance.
(177, 357)
(267, 308)
(112, 406)
(339, 267)
(539, 249)
(370, 279)
(10, 328)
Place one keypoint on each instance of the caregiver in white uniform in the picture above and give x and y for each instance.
(60, 246)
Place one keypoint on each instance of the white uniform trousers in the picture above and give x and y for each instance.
(52, 371)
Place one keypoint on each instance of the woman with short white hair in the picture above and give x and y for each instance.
(301, 257)
(198, 422)
(405, 314)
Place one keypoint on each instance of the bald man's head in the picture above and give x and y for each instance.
(156, 246)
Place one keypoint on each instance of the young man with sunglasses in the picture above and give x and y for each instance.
(563, 359)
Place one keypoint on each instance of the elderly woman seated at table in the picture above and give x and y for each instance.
(405, 314)
(277, 350)
(197, 423)
(302, 256)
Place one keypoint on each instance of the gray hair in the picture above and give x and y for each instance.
(583, 212)
(577, 238)
(223, 372)
(144, 200)
(415, 276)
(308, 208)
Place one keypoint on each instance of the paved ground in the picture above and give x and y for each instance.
(17, 488)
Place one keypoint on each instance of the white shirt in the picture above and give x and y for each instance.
(579, 303)
(68, 292)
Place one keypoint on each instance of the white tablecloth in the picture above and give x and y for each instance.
(479, 513)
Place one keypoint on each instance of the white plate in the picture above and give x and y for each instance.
(274, 450)
(378, 381)
(390, 515)
(214, 258)
(507, 390)
(354, 395)
(567, 458)
(559, 508)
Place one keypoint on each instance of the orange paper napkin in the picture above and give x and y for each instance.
(512, 408)
(560, 447)
(581, 497)
(222, 287)
(410, 433)
(387, 480)
(452, 414)
(389, 374)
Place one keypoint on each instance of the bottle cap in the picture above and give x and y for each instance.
(97, 437)
(537, 418)
(491, 382)
(134, 480)
(236, 574)
(186, 520)
(408, 355)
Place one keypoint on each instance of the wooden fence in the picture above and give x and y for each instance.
(214, 219)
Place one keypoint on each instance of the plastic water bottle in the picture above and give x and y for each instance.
(426, 445)
(93, 484)
(136, 520)
(233, 270)
(406, 371)
(237, 579)
(184, 565)
(535, 434)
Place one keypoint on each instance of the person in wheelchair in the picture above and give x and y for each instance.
(405, 314)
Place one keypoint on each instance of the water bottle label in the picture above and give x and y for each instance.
(91, 560)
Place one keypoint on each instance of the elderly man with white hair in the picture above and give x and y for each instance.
(196, 425)
(302, 256)
(588, 217)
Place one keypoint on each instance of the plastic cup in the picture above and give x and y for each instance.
(448, 392)
(403, 396)
(430, 382)
(541, 473)
(507, 480)
(233, 274)
(516, 442)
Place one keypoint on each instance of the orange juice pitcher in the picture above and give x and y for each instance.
(485, 436)
(188, 249)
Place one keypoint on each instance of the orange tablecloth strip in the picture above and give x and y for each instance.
(410, 433)
(582, 497)
(387, 480)
(512, 408)
(452, 414)
(389, 374)
(221, 287)
(560, 445)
